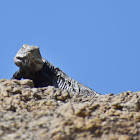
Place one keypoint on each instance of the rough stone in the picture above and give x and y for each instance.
(48, 113)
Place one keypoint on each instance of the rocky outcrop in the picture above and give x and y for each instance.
(47, 113)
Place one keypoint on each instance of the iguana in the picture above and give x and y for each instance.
(43, 73)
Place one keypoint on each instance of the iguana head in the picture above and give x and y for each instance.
(29, 57)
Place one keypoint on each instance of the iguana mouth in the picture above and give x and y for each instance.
(20, 58)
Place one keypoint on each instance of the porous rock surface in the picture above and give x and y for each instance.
(47, 113)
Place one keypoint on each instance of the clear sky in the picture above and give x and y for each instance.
(96, 42)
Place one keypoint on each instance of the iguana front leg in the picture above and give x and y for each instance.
(17, 75)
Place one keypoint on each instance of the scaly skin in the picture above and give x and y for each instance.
(43, 73)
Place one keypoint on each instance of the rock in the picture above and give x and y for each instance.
(27, 82)
(52, 114)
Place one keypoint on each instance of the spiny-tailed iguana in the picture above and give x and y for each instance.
(43, 73)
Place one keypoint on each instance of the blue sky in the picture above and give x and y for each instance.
(96, 42)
